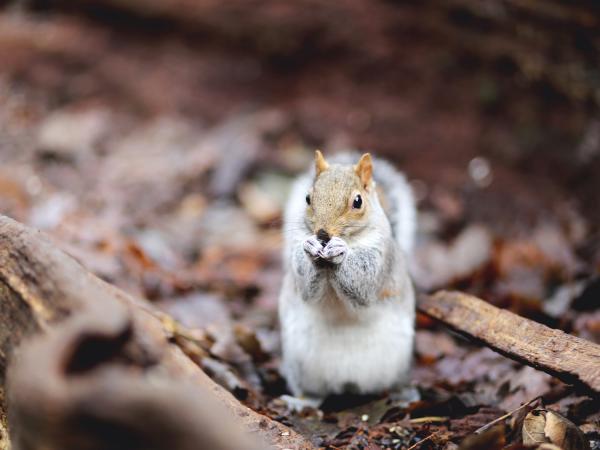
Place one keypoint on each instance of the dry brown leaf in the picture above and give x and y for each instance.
(493, 439)
(246, 338)
(4, 443)
(545, 426)
(548, 447)
(533, 428)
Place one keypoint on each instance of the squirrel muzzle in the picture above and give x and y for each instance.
(323, 236)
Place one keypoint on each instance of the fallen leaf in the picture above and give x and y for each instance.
(246, 338)
(493, 439)
(546, 426)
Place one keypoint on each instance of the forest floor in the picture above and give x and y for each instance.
(162, 165)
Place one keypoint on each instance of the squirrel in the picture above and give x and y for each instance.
(347, 303)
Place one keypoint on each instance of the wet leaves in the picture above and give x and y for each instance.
(214, 266)
(186, 211)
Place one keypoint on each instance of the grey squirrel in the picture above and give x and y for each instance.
(347, 304)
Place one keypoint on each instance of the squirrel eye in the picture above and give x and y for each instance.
(307, 199)
(357, 202)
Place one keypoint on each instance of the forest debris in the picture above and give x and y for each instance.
(484, 419)
(224, 225)
(247, 339)
(546, 446)
(223, 375)
(138, 159)
(492, 439)
(71, 134)
(470, 366)
(52, 212)
(430, 346)
(194, 343)
(560, 302)
(521, 384)
(154, 245)
(437, 264)
(571, 359)
(264, 197)
(14, 190)
(505, 416)
(533, 428)
(428, 419)
(587, 325)
(238, 144)
(558, 251)
(423, 441)
(524, 265)
(4, 442)
(197, 310)
(588, 299)
(543, 425)
(259, 204)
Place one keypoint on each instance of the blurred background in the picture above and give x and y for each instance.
(155, 141)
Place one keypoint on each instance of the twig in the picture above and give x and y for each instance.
(570, 359)
(428, 438)
(429, 419)
(505, 416)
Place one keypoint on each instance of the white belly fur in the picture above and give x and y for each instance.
(329, 347)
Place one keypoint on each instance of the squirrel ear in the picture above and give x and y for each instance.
(320, 163)
(364, 169)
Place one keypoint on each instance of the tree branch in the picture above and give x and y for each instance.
(568, 358)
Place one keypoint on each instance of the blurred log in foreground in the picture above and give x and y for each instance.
(104, 374)
(568, 358)
(89, 385)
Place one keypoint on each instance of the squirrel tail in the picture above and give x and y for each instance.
(401, 210)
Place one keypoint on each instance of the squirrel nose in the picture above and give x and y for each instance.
(323, 236)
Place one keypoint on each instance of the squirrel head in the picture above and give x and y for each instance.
(341, 197)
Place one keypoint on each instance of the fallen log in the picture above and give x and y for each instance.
(568, 358)
(106, 361)
(91, 384)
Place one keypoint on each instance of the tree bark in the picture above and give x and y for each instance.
(105, 364)
(568, 358)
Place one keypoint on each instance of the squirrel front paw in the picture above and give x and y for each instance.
(335, 251)
(313, 247)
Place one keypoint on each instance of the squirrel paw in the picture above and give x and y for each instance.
(297, 404)
(313, 247)
(335, 251)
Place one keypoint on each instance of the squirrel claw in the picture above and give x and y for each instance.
(335, 251)
(297, 404)
(313, 247)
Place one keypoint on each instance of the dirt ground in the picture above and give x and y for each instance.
(158, 147)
